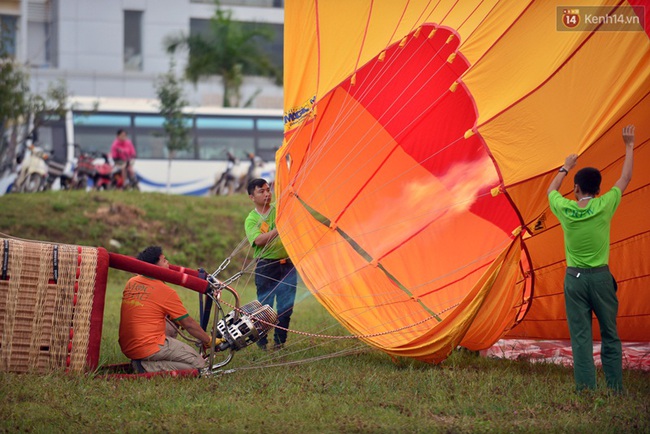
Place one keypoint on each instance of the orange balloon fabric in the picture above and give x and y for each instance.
(420, 139)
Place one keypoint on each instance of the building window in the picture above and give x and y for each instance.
(40, 44)
(133, 40)
(8, 34)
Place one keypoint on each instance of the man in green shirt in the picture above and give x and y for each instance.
(275, 275)
(588, 284)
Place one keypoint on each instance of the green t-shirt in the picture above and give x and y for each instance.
(255, 225)
(586, 230)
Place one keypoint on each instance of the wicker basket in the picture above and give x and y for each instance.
(51, 306)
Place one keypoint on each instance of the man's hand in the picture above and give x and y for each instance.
(628, 136)
(570, 162)
(218, 341)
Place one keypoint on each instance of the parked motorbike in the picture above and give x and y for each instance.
(57, 171)
(105, 173)
(227, 183)
(120, 181)
(84, 171)
(107, 176)
(33, 171)
(92, 170)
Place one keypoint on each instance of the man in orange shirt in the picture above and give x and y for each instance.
(145, 335)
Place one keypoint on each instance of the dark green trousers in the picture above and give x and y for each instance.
(587, 291)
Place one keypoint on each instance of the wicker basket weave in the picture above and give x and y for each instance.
(51, 306)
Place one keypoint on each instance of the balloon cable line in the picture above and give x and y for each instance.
(378, 76)
(317, 154)
(487, 254)
(268, 361)
(345, 123)
(372, 335)
(346, 337)
(369, 87)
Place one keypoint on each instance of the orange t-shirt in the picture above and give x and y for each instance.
(145, 303)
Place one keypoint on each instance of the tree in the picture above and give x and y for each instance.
(229, 50)
(19, 108)
(44, 107)
(13, 104)
(170, 95)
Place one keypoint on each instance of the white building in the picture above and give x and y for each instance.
(114, 48)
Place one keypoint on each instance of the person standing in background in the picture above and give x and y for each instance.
(588, 284)
(275, 275)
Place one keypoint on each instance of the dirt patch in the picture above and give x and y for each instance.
(119, 215)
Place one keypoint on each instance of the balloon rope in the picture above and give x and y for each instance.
(366, 336)
(344, 123)
(342, 353)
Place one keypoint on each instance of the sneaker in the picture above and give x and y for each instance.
(262, 347)
(277, 347)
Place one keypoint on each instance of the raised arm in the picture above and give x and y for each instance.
(569, 163)
(626, 173)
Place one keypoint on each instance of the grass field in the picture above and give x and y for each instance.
(316, 384)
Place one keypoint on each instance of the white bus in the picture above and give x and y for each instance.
(92, 123)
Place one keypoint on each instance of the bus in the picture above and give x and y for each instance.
(91, 125)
